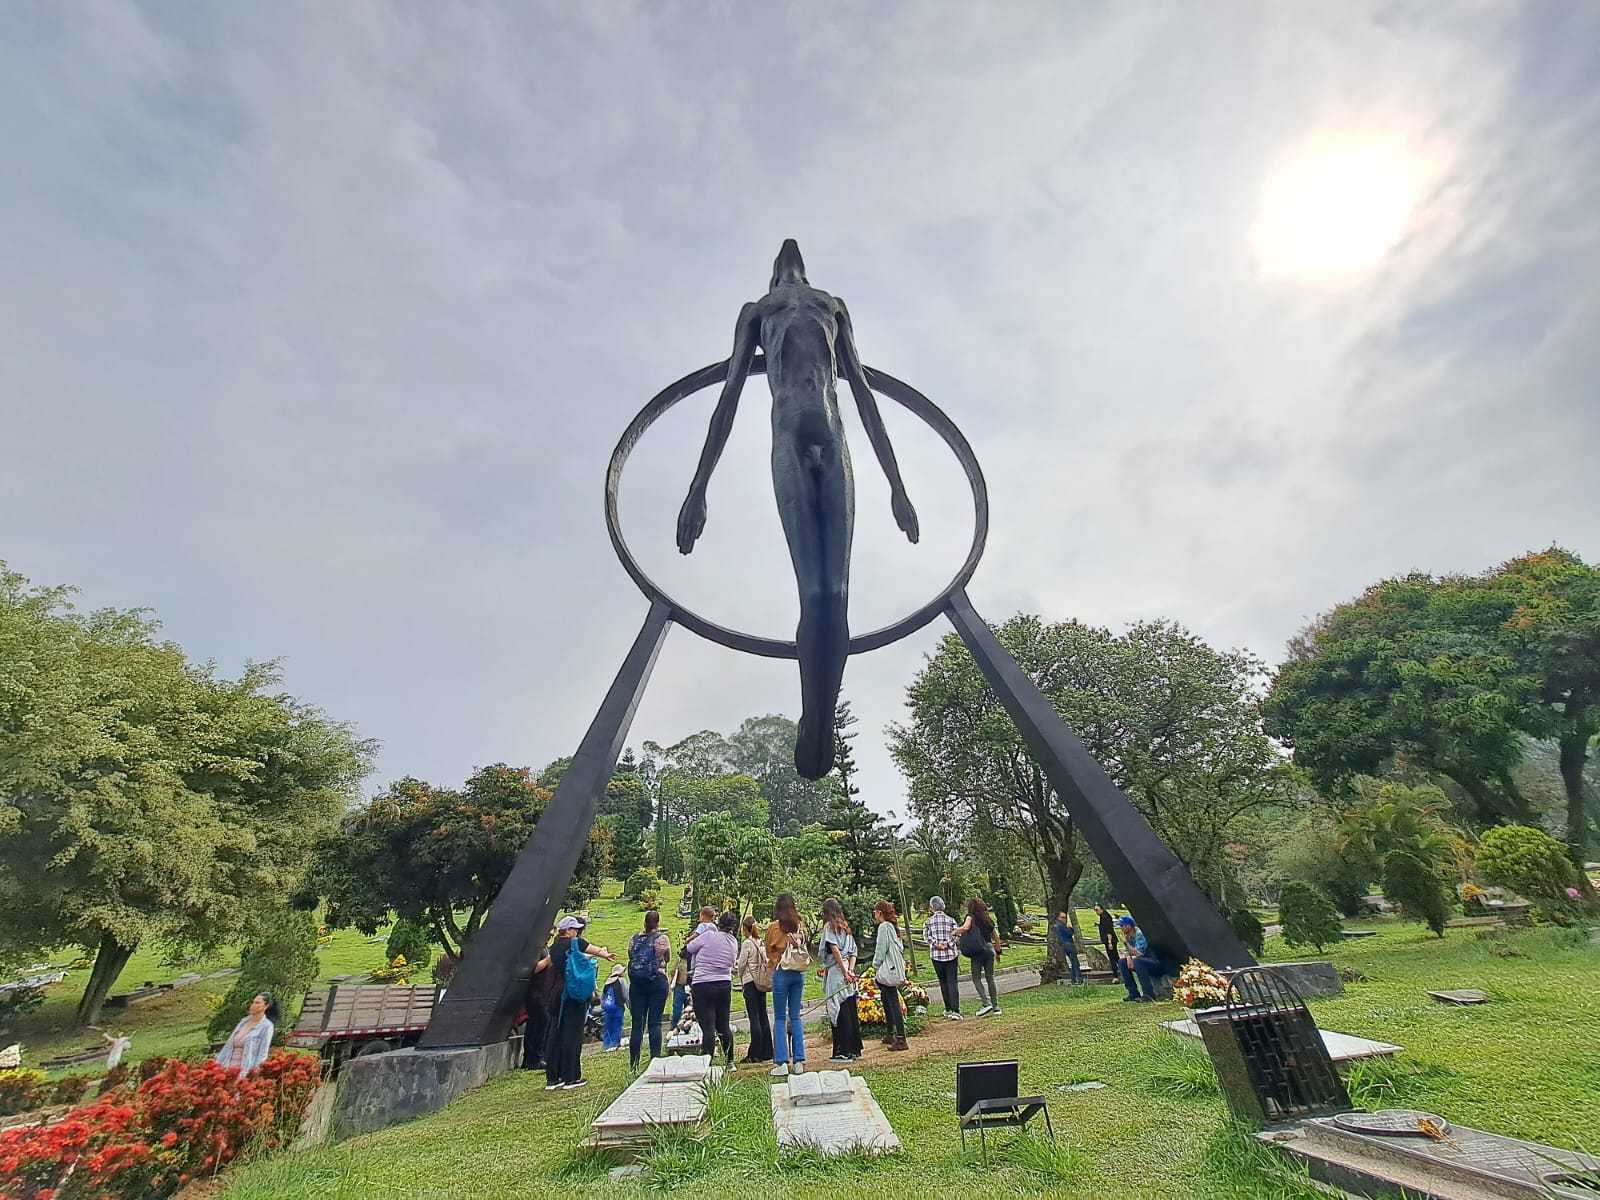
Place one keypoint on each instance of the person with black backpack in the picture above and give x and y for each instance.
(648, 955)
(978, 940)
(573, 958)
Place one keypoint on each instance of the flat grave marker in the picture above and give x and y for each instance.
(1342, 1047)
(1460, 996)
(833, 1128)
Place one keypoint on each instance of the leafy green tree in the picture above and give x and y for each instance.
(1307, 915)
(763, 748)
(629, 851)
(142, 796)
(1174, 722)
(1403, 830)
(1531, 863)
(425, 853)
(1249, 928)
(281, 960)
(1312, 851)
(1550, 618)
(863, 839)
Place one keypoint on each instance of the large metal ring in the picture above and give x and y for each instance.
(885, 385)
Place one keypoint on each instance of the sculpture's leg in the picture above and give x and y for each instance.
(816, 503)
(487, 989)
(1177, 917)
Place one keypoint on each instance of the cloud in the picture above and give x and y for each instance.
(321, 322)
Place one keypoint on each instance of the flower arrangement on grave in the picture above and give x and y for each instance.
(869, 1006)
(1199, 986)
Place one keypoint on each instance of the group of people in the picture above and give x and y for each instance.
(977, 940)
(1127, 950)
(721, 954)
(724, 954)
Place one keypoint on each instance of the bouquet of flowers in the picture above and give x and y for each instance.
(1199, 986)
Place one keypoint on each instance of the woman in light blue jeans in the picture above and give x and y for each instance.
(786, 941)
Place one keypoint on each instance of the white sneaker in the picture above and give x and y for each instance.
(985, 1011)
(995, 1011)
(797, 1068)
(779, 1071)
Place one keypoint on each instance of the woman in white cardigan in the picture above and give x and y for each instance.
(247, 1046)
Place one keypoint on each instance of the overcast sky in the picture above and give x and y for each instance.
(320, 322)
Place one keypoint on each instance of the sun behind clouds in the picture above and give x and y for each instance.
(1334, 205)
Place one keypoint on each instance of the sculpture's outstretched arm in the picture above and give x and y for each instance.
(850, 364)
(692, 516)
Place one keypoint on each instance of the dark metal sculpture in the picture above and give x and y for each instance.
(806, 336)
(1175, 914)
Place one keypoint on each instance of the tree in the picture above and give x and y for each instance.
(1410, 672)
(1311, 851)
(763, 748)
(1307, 915)
(629, 851)
(1174, 723)
(863, 840)
(1550, 617)
(1404, 832)
(145, 797)
(425, 853)
(412, 941)
(280, 960)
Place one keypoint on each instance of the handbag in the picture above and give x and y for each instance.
(795, 955)
(973, 944)
(762, 976)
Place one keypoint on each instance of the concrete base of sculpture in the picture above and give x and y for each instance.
(1310, 979)
(378, 1090)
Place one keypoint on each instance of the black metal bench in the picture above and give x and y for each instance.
(986, 1098)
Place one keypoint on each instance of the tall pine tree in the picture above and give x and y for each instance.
(864, 841)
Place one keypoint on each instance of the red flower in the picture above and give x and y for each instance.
(169, 1139)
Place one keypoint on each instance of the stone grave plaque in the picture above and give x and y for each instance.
(820, 1087)
(649, 1103)
(1391, 1121)
(678, 1069)
(858, 1124)
(1460, 996)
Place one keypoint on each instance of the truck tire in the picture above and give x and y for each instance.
(372, 1046)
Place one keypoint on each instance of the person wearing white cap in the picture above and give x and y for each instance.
(564, 1059)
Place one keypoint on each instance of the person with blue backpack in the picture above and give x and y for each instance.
(648, 955)
(573, 957)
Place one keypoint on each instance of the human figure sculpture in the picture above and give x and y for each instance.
(806, 336)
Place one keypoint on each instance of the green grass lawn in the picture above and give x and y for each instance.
(1527, 1065)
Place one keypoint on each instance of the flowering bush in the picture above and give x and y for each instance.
(1199, 986)
(188, 1120)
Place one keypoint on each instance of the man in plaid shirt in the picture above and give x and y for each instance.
(939, 931)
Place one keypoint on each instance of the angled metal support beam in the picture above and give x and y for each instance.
(1177, 917)
(482, 1000)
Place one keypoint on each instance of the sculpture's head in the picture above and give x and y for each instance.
(788, 268)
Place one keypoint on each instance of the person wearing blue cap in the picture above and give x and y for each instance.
(1138, 962)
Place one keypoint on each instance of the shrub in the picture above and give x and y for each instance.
(444, 968)
(649, 900)
(282, 960)
(1416, 886)
(645, 879)
(70, 1089)
(1248, 926)
(22, 1089)
(412, 941)
(1531, 863)
(186, 1121)
(1307, 915)
(19, 1002)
